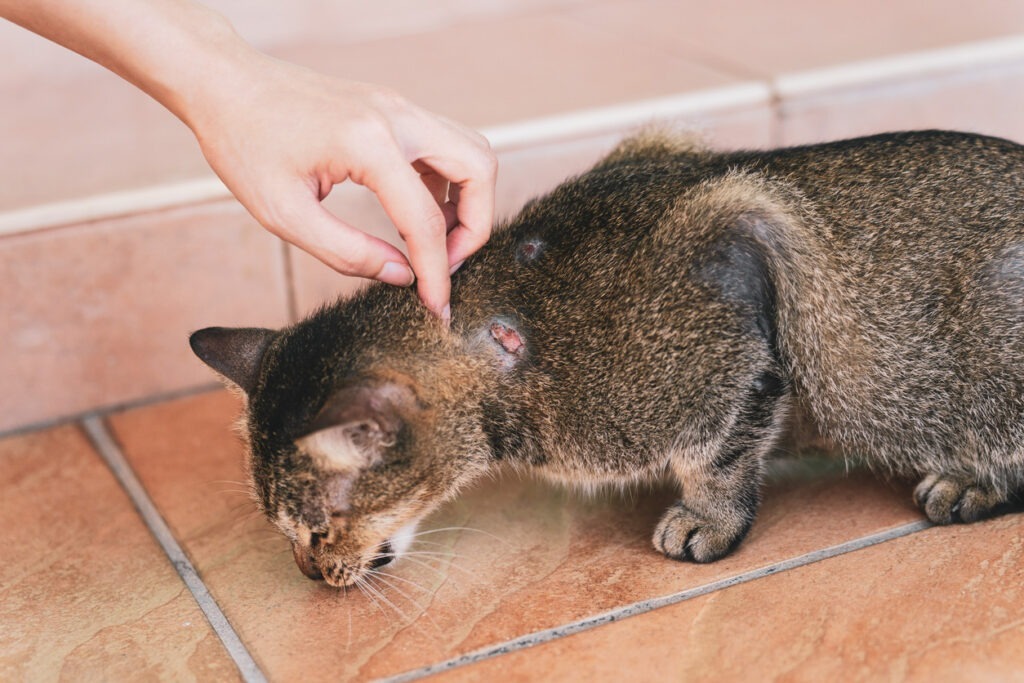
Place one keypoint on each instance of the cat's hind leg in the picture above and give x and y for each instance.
(721, 482)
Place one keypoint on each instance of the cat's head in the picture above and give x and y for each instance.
(356, 429)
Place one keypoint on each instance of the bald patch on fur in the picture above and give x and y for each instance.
(530, 249)
(503, 339)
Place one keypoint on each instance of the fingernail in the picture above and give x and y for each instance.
(396, 274)
(451, 271)
(446, 315)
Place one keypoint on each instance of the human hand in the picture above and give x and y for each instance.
(280, 137)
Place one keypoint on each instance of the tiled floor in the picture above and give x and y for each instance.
(939, 605)
(513, 563)
(520, 570)
(85, 592)
(100, 284)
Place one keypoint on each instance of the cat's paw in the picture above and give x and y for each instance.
(947, 500)
(682, 534)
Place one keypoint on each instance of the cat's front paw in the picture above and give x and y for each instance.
(947, 500)
(682, 534)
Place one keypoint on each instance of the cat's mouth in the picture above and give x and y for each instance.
(340, 573)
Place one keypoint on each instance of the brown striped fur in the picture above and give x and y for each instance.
(668, 311)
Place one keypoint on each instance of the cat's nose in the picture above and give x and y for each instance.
(307, 565)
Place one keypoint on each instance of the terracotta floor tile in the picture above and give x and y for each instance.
(72, 129)
(514, 69)
(85, 592)
(941, 605)
(99, 314)
(347, 21)
(777, 38)
(796, 38)
(540, 557)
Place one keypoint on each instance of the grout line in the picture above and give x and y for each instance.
(111, 453)
(622, 117)
(973, 55)
(542, 130)
(100, 411)
(568, 126)
(644, 606)
(111, 205)
(290, 294)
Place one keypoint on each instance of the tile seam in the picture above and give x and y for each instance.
(566, 126)
(142, 402)
(645, 606)
(290, 291)
(994, 52)
(111, 453)
(107, 205)
(543, 130)
(572, 125)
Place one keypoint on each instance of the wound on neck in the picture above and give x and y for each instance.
(508, 338)
(502, 339)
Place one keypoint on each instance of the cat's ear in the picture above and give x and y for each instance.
(234, 352)
(357, 423)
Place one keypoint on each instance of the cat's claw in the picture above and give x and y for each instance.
(948, 500)
(684, 535)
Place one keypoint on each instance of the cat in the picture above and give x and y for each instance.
(668, 311)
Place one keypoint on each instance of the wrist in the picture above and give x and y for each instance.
(211, 64)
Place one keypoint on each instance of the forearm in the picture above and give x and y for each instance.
(174, 50)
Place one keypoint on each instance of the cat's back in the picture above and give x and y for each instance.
(917, 327)
(909, 290)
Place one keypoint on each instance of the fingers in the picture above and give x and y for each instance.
(465, 159)
(421, 223)
(436, 184)
(308, 225)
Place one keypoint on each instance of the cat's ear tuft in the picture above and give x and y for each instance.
(234, 352)
(357, 423)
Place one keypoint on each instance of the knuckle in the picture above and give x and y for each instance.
(492, 163)
(370, 125)
(388, 100)
(434, 224)
(344, 263)
(487, 164)
(278, 216)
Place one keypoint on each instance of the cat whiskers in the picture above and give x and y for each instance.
(377, 576)
(418, 534)
(348, 638)
(383, 578)
(251, 523)
(371, 590)
(424, 559)
(370, 593)
(381, 574)
(246, 487)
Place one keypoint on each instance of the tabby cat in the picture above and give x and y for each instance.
(667, 311)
